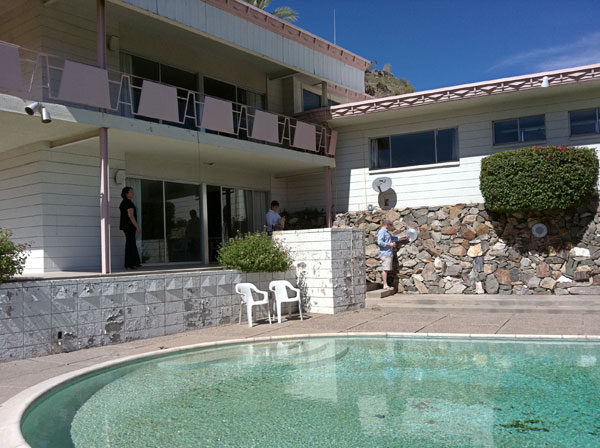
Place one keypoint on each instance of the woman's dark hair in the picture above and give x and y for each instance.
(274, 204)
(124, 192)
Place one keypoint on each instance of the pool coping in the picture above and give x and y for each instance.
(14, 409)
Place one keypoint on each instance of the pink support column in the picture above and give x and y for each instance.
(104, 167)
(328, 197)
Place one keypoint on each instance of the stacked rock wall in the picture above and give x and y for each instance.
(465, 249)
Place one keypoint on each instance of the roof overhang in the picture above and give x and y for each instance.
(232, 22)
(465, 95)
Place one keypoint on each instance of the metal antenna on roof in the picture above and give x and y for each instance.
(334, 30)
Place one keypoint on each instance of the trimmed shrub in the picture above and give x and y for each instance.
(12, 256)
(539, 178)
(254, 252)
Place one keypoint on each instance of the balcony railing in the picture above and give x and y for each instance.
(44, 77)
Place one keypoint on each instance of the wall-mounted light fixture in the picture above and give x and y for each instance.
(120, 176)
(113, 43)
(539, 230)
(32, 108)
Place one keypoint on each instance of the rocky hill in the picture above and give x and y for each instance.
(382, 83)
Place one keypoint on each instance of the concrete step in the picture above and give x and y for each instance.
(489, 303)
(484, 309)
(379, 293)
(502, 303)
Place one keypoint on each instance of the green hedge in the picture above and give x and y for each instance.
(539, 178)
(254, 252)
(12, 256)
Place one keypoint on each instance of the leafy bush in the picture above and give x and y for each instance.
(254, 252)
(12, 256)
(539, 178)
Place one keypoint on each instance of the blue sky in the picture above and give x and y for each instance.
(437, 43)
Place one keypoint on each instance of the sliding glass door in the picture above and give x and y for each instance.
(183, 223)
(152, 221)
(171, 219)
(231, 212)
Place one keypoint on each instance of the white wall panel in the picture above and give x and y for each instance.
(253, 37)
(435, 185)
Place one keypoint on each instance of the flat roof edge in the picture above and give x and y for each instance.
(512, 84)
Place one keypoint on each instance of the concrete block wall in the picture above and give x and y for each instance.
(329, 266)
(38, 318)
(44, 317)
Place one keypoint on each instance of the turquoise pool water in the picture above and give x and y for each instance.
(335, 392)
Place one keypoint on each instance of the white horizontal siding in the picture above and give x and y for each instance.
(305, 191)
(69, 30)
(21, 208)
(437, 185)
(51, 197)
(244, 34)
(20, 23)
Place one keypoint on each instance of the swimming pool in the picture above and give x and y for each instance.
(334, 391)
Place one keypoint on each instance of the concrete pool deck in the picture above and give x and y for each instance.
(382, 315)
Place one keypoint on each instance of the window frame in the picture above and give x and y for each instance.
(518, 141)
(304, 89)
(373, 140)
(596, 123)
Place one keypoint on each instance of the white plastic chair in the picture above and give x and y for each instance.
(280, 287)
(245, 290)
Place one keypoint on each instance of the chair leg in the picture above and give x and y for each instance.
(249, 310)
(269, 313)
(241, 306)
(300, 308)
(278, 312)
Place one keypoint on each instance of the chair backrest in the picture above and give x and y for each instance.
(280, 287)
(245, 290)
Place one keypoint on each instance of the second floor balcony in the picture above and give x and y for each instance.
(43, 77)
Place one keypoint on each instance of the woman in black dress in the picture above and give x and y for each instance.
(130, 227)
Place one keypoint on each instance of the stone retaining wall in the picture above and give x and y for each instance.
(465, 249)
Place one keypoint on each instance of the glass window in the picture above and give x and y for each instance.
(215, 223)
(584, 122)
(532, 129)
(506, 132)
(170, 217)
(526, 129)
(413, 149)
(220, 89)
(151, 210)
(380, 153)
(419, 148)
(243, 211)
(187, 82)
(310, 100)
(143, 68)
(446, 144)
(184, 227)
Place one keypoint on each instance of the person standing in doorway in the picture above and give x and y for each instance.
(274, 219)
(387, 243)
(129, 226)
(192, 234)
